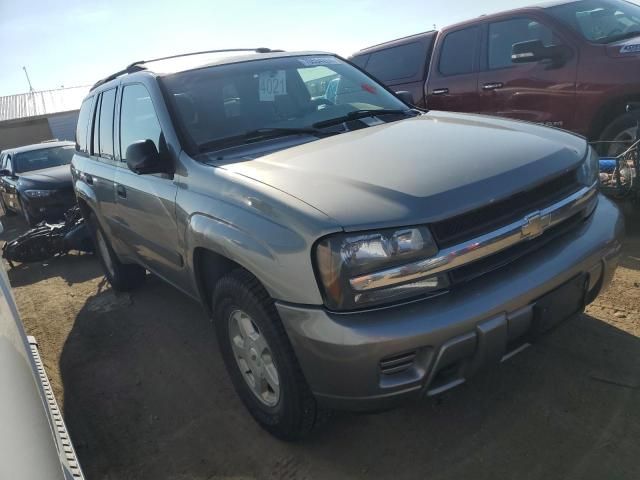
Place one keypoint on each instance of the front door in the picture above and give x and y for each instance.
(453, 79)
(541, 92)
(145, 212)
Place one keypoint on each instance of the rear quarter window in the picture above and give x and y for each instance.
(395, 63)
(82, 129)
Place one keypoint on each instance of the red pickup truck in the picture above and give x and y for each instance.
(573, 65)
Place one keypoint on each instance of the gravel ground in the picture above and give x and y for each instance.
(145, 394)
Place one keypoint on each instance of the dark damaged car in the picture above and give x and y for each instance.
(35, 181)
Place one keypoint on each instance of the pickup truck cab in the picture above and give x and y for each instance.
(571, 65)
(351, 251)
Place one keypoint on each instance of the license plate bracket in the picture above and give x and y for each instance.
(560, 304)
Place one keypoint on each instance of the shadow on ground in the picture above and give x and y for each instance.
(146, 397)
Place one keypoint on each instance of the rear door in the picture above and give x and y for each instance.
(99, 171)
(540, 92)
(146, 213)
(453, 77)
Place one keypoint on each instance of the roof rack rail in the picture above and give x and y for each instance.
(139, 65)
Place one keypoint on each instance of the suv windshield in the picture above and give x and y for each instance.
(601, 21)
(221, 103)
(43, 158)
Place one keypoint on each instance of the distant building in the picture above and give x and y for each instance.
(32, 117)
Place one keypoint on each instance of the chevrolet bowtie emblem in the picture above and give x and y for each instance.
(534, 225)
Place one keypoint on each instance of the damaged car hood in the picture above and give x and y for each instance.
(417, 170)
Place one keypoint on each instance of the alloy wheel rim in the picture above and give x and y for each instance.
(254, 358)
(622, 141)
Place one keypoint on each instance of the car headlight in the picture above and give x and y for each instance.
(38, 193)
(589, 170)
(344, 257)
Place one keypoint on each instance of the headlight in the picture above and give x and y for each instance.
(38, 193)
(340, 258)
(589, 170)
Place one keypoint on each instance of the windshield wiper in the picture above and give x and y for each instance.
(259, 134)
(356, 114)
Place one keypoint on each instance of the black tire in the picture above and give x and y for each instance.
(614, 130)
(296, 413)
(123, 277)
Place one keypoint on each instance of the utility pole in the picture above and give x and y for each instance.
(28, 80)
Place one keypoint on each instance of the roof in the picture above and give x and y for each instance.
(182, 63)
(37, 146)
(33, 104)
(397, 41)
(512, 11)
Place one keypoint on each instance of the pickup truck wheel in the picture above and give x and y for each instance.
(122, 277)
(621, 131)
(259, 358)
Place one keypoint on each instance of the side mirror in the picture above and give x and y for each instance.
(5, 173)
(406, 97)
(535, 51)
(143, 157)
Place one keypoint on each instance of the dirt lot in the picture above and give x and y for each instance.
(145, 395)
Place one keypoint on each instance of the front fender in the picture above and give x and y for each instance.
(276, 255)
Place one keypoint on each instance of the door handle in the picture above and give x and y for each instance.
(440, 91)
(492, 86)
(121, 191)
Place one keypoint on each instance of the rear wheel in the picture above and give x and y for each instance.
(122, 277)
(619, 134)
(259, 358)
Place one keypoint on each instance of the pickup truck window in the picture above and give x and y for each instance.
(397, 62)
(459, 52)
(600, 21)
(138, 119)
(502, 36)
(83, 125)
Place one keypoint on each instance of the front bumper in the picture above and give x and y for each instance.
(370, 360)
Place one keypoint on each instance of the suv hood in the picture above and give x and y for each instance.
(416, 170)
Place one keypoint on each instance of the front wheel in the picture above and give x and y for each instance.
(619, 134)
(259, 358)
(122, 277)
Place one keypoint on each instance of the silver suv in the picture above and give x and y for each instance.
(352, 251)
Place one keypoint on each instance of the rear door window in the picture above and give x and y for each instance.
(459, 52)
(403, 61)
(360, 60)
(107, 106)
(503, 35)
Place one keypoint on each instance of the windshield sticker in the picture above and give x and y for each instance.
(272, 84)
(633, 48)
(316, 61)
